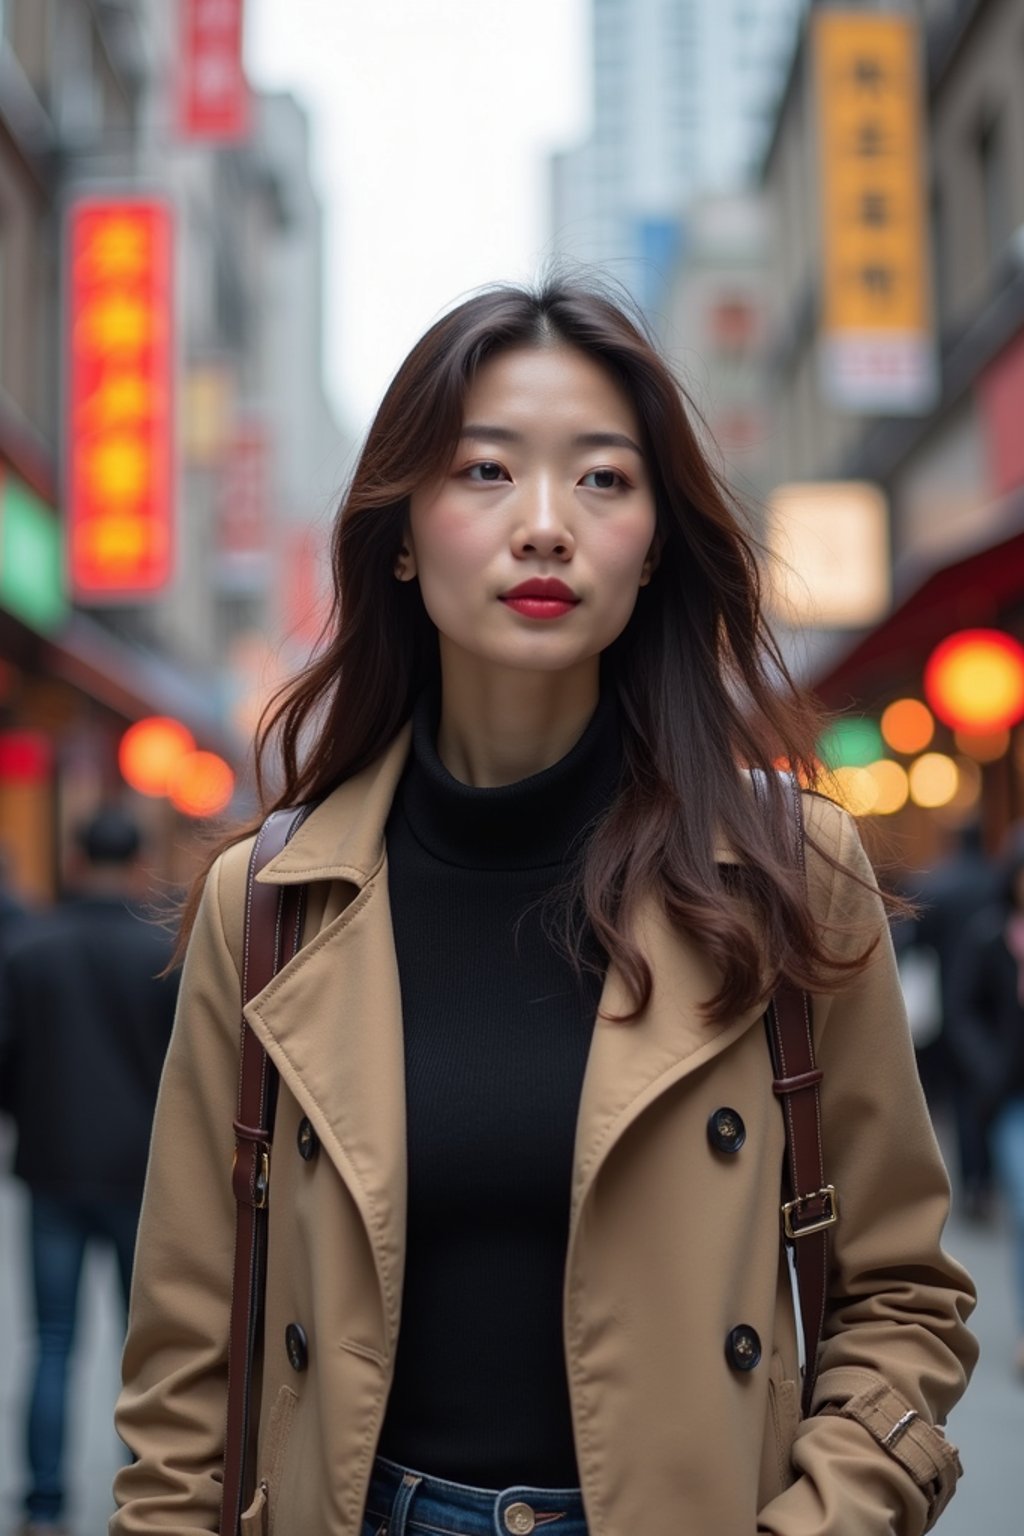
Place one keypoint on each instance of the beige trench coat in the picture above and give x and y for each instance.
(671, 1244)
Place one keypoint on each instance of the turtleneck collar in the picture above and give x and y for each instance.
(531, 824)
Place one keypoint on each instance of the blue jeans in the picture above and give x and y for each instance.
(405, 1503)
(60, 1229)
(1007, 1141)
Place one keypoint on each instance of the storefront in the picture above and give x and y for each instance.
(69, 688)
(974, 768)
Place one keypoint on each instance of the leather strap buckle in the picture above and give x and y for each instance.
(261, 1183)
(811, 1213)
(256, 1193)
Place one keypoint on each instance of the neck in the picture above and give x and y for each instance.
(500, 726)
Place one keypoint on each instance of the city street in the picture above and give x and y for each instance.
(988, 1426)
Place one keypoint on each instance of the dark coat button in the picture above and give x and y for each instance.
(309, 1144)
(296, 1347)
(743, 1347)
(726, 1131)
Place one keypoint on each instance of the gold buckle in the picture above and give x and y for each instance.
(831, 1203)
(261, 1183)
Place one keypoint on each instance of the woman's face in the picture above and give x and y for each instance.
(531, 548)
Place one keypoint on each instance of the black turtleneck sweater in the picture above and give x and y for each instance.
(497, 1029)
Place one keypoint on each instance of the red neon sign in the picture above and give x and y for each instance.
(213, 97)
(120, 483)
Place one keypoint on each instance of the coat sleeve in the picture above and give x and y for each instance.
(171, 1412)
(871, 1460)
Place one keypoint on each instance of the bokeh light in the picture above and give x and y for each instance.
(985, 747)
(201, 784)
(856, 790)
(968, 791)
(907, 726)
(891, 784)
(150, 750)
(850, 743)
(934, 778)
(974, 680)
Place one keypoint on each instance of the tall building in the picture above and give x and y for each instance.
(683, 95)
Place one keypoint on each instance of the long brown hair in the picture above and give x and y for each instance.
(703, 689)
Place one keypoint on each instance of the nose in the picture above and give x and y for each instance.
(543, 529)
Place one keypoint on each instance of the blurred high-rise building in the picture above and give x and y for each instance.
(91, 98)
(683, 96)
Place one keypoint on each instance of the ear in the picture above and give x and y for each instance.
(650, 565)
(405, 561)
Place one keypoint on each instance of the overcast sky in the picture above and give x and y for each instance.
(432, 122)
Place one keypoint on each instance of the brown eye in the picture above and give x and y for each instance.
(488, 469)
(602, 480)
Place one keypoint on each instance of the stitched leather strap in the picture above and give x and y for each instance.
(811, 1207)
(273, 920)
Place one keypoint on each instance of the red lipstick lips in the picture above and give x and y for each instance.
(542, 597)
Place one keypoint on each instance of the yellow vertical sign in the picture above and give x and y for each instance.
(877, 349)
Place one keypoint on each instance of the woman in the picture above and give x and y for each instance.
(526, 1102)
(986, 1030)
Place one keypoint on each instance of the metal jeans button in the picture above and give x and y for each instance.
(520, 1519)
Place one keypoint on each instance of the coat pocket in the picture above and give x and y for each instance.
(783, 1422)
(272, 1460)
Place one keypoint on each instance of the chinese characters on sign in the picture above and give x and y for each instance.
(877, 346)
(213, 98)
(120, 397)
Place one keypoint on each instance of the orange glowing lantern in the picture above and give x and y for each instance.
(201, 784)
(149, 751)
(974, 681)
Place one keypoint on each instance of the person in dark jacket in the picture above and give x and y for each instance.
(948, 897)
(986, 1024)
(84, 1025)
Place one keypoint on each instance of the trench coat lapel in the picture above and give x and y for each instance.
(340, 1050)
(331, 1021)
(632, 1064)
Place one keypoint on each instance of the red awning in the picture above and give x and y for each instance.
(978, 590)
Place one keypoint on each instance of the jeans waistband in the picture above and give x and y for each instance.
(402, 1500)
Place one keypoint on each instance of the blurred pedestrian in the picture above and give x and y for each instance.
(12, 909)
(84, 1026)
(987, 1038)
(949, 895)
(13, 914)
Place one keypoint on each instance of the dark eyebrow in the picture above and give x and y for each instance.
(485, 433)
(606, 440)
(491, 434)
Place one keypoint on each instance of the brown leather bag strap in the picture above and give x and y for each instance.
(811, 1207)
(273, 923)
